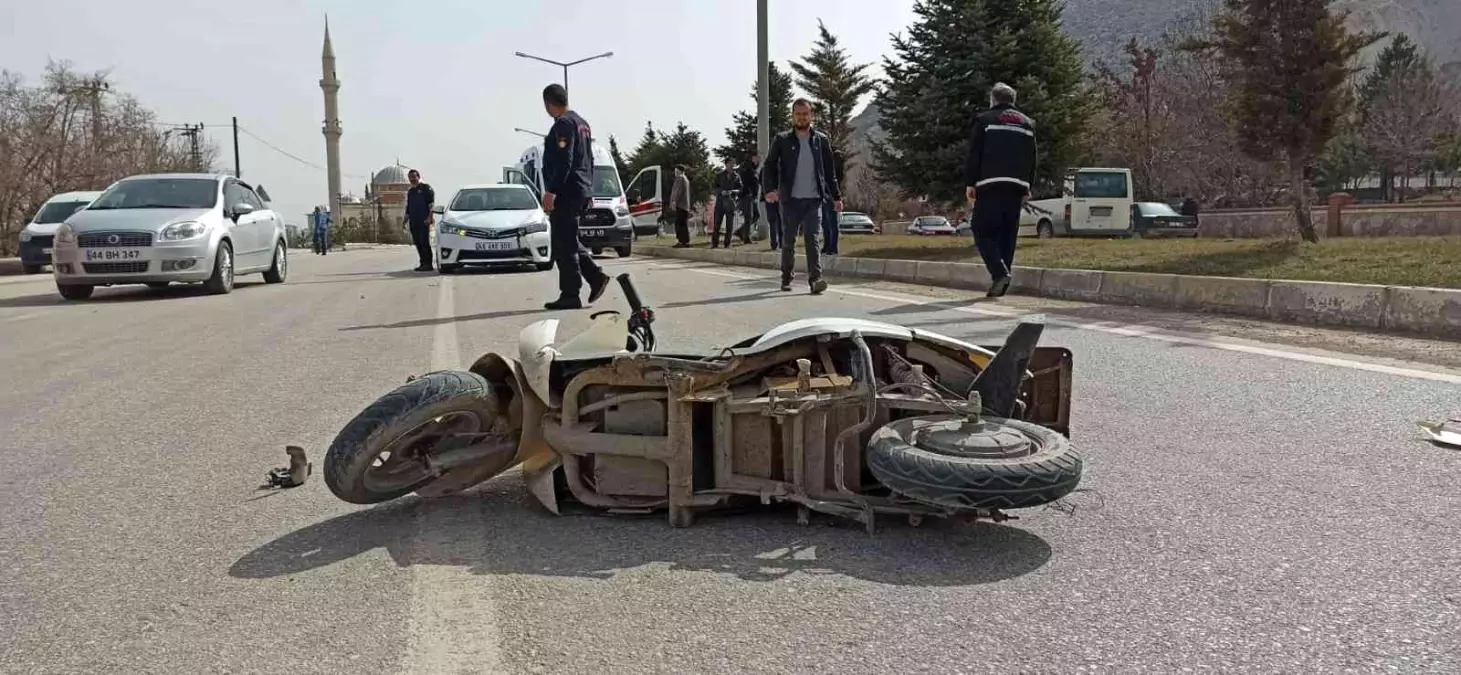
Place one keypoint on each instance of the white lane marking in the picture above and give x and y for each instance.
(1128, 330)
(453, 625)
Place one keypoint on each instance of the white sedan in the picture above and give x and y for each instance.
(493, 225)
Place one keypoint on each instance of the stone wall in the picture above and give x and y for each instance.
(1380, 220)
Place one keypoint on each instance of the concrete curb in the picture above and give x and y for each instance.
(1431, 312)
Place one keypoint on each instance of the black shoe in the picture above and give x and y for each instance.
(999, 288)
(786, 285)
(819, 286)
(563, 303)
(597, 287)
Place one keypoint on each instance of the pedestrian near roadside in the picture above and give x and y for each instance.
(800, 177)
(727, 187)
(773, 213)
(831, 220)
(419, 219)
(320, 224)
(680, 207)
(750, 194)
(567, 178)
(998, 172)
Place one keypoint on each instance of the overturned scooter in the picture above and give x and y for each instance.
(847, 417)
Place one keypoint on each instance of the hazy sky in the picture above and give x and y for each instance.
(433, 83)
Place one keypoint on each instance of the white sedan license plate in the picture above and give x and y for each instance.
(93, 254)
(594, 232)
(496, 245)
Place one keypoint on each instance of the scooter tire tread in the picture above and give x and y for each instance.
(352, 450)
(964, 482)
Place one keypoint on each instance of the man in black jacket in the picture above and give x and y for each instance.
(568, 167)
(998, 173)
(727, 187)
(419, 219)
(750, 194)
(799, 178)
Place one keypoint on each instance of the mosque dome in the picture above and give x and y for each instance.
(390, 175)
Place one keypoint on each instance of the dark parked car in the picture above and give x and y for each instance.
(853, 222)
(931, 225)
(1155, 219)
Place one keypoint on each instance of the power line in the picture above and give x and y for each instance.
(290, 155)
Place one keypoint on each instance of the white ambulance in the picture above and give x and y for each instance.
(607, 224)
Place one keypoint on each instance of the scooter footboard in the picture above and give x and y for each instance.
(1046, 395)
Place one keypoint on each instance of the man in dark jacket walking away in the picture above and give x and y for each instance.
(727, 187)
(568, 167)
(800, 176)
(998, 173)
(750, 194)
(419, 219)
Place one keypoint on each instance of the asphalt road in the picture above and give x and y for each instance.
(1256, 506)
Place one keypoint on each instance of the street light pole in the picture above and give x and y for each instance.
(563, 65)
(535, 134)
(763, 82)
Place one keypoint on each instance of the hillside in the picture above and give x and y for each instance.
(1104, 26)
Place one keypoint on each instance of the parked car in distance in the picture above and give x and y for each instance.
(39, 235)
(853, 222)
(158, 229)
(931, 225)
(501, 224)
(1156, 219)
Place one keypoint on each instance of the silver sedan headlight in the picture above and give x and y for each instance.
(65, 235)
(24, 236)
(186, 230)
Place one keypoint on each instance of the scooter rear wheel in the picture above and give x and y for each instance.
(377, 457)
(994, 463)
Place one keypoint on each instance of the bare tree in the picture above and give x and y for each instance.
(1406, 117)
(74, 132)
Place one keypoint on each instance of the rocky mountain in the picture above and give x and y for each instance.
(1104, 27)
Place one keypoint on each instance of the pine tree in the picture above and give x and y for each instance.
(619, 164)
(835, 86)
(684, 146)
(740, 137)
(1292, 60)
(1396, 62)
(953, 54)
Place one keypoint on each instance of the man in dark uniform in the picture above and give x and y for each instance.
(419, 219)
(998, 172)
(727, 186)
(750, 194)
(567, 180)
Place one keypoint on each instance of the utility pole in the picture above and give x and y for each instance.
(195, 150)
(92, 87)
(563, 65)
(763, 82)
(237, 173)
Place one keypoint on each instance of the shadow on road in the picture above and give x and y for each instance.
(119, 294)
(418, 323)
(490, 534)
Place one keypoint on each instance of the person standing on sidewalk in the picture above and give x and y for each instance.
(998, 173)
(773, 213)
(320, 221)
(831, 221)
(727, 186)
(750, 194)
(568, 167)
(680, 207)
(799, 178)
(419, 219)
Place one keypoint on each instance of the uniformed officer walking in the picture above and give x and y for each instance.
(567, 182)
(727, 188)
(419, 200)
(998, 173)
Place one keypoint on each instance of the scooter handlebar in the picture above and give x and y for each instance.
(636, 305)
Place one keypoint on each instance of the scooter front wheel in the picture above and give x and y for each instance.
(382, 454)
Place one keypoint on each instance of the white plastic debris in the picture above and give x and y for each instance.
(1446, 433)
